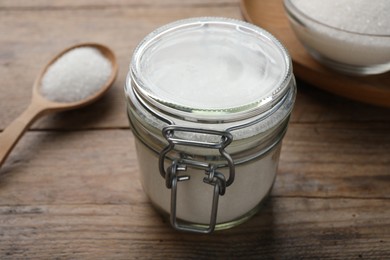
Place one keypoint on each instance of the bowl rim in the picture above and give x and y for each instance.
(294, 12)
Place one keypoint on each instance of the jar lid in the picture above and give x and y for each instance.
(211, 69)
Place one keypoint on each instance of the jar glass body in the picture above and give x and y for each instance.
(223, 162)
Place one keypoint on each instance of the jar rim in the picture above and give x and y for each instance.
(263, 98)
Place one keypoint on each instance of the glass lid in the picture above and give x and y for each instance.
(211, 67)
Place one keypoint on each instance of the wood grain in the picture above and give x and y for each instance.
(287, 228)
(70, 189)
(95, 206)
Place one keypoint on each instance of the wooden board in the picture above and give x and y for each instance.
(270, 15)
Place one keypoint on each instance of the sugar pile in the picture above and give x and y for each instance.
(361, 16)
(362, 46)
(76, 75)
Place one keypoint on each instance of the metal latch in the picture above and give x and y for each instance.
(213, 177)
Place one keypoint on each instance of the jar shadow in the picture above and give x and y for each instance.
(252, 239)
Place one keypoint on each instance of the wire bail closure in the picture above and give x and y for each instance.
(213, 177)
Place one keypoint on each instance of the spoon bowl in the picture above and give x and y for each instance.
(40, 105)
(60, 106)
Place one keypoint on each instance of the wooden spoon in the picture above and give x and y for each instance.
(40, 105)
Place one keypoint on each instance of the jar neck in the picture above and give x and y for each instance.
(250, 136)
(171, 113)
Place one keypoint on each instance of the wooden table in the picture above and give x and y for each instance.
(71, 190)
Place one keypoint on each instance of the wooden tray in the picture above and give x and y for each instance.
(270, 15)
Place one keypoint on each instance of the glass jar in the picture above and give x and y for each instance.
(209, 101)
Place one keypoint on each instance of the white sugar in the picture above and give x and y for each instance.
(358, 43)
(78, 74)
(361, 16)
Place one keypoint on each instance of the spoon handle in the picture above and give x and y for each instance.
(10, 136)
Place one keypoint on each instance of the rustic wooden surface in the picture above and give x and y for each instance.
(70, 189)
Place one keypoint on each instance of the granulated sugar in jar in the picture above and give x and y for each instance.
(209, 101)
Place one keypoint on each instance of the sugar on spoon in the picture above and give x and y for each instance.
(79, 87)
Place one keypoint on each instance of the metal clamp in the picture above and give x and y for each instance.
(213, 177)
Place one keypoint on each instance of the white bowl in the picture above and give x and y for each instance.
(344, 50)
